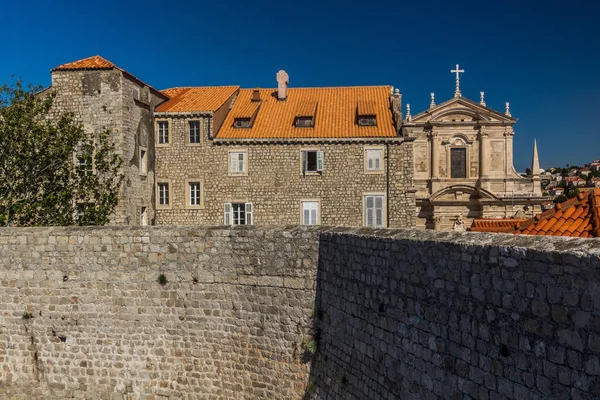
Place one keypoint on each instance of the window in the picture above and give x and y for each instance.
(163, 132)
(310, 213)
(367, 120)
(458, 162)
(374, 211)
(374, 160)
(136, 93)
(238, 213)
(143, 216)
(143, 161)
(194, 193)
(241, 123)
(237, 162)
(304, 122)
(312, 161)
(163, 194)
(84, 165)
(194, 132)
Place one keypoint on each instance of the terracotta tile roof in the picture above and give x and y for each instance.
(95, 62)
(496, 225)
(335, 115)
(576, 217)
(100, 63)
(189, 99)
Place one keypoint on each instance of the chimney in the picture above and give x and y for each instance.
(282, 84)
(255, 95)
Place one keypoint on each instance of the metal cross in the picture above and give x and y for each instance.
(457, 71)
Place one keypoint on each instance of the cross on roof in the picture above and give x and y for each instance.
(457, 71)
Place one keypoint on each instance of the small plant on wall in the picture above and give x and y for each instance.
(162, 279)
(27, 315)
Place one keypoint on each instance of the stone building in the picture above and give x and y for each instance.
(225, 155)
(463, 164)
(103, 96)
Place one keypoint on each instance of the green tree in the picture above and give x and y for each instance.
(51, 171)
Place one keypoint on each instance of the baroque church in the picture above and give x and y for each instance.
(463, 164)
(343, 156)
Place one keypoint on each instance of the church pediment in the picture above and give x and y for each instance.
(459, 110)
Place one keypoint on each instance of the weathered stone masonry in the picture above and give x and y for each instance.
(397, 314)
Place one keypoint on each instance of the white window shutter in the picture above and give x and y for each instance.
(304, 161)
(242, 162)
(378, 210)
(313, 216)
(320, 161)
(369, 210)
(232, 163)
(369, 161)
(249, 216)
(227, 214)
(306, 216)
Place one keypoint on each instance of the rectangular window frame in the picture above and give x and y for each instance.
(242, 123)
(188, 124)
(383, 213)
(230, 162)
(159, 182)
(159, 133)
(450, 162)
(304, 122)
(188, 197)
(302, 220)
(367, 120)
(143, 160)
(373, 171)
(229, 213)
(320, 161)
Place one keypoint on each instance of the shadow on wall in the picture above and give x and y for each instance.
(428, 315)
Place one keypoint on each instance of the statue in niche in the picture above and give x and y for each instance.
(459, 224)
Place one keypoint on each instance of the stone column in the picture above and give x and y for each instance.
(435, 158)
(484, 153)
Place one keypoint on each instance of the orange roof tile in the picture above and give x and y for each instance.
(366, 107)
(335, 116)
(95, 62)
(495, 224)
(100, 63)
(576, 217)
(190, 99)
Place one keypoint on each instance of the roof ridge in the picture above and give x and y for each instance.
(198, 87)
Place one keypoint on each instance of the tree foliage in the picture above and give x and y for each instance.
(51, 171)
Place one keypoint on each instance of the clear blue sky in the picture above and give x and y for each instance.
(543, 57)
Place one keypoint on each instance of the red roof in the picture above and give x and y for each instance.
(190, 99)
(576, 217)
(100, 63)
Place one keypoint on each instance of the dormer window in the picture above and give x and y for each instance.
(304, 122)
(367, 120)
(241, 123)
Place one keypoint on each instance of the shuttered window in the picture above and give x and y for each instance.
(374, 160)
(313, 161)
(237, 162)
(238, 214)
(374, 211)
(310, 213)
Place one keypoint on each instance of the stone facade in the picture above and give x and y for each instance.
(488, 187)
(275, 183)
(389, 314)
(103, 99)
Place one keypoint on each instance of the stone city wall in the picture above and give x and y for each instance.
(82, 314)
(387, 313)
(457, 316)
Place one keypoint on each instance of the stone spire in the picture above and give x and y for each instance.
(482, 99)
(535, 161)
(432, 104)
(507, 112)
(408, 116)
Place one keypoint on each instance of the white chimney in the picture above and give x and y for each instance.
(282, 84)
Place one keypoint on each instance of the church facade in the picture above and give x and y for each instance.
(463, 165)
(340, 156)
